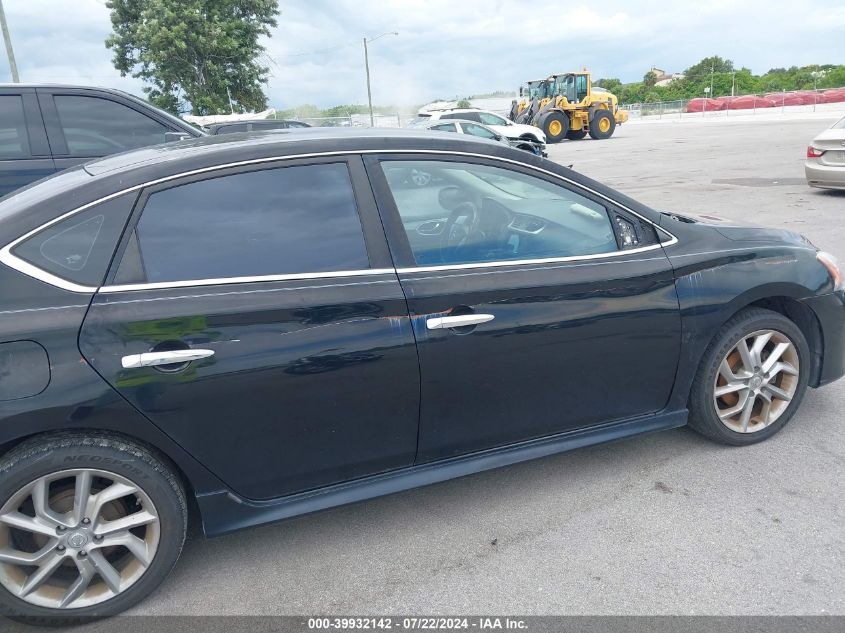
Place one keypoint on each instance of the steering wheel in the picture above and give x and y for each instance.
(462, 223)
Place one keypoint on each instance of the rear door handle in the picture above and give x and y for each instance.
(442, 323)
(151, 359)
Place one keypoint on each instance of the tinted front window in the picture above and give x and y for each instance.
(271, 222)
(469, 213)
(96, 127)
(14, 141)
(79, 248)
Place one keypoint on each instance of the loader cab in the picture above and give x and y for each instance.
(536, 89)
(574, 86)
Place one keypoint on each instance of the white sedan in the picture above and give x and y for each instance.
(492, 120)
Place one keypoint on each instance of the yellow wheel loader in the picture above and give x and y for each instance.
(567, 106)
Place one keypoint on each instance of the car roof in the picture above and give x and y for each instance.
(227, 148)
(251, 122)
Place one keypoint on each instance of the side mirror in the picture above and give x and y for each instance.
(170, 137)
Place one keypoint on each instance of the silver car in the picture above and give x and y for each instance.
(825, 165)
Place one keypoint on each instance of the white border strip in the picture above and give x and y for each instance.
(9, 259)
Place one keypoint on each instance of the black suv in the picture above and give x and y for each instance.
(46, 128)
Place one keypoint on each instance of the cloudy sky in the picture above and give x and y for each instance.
(448, 48)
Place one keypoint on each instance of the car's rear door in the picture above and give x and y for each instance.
(555, 311)
(277, 281)
(24, 152)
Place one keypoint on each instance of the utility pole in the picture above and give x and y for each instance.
(712, 70)
(369, 90)
(367, 67)
(8, 40)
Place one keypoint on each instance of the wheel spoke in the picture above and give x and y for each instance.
(81, 495)
(114, 492)
(105, 570)
(724, 414)
(757, 348)
(726, 372)
(78, 587)
(14, 557)
(777, 392)
(40, 502)
(731, 387)
(786, 368)
(745, 418)
(137, 546)
(766, 410)
(775, 356)
(35, 525)
(746, 355)
(43, 573)
(126, 523)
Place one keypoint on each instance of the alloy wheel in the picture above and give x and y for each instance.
(76, 538)
(756, 381)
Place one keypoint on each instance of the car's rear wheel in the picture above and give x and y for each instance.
(89, 525)
(752, 378)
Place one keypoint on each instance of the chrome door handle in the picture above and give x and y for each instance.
(151, 359)
(442, 323)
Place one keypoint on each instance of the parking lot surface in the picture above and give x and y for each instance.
(662, 524)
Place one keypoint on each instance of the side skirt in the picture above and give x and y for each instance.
(225, 512)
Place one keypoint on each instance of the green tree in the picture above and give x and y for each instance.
(464, 103)
(195, 53)
(610, 84)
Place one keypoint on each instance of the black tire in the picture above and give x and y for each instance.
(602, 118)
(703, 416)
(53, 453)
(555, 125)
(576, 135)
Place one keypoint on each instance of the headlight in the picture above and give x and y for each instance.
(829, 261)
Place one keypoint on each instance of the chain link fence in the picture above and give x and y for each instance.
(792, 101)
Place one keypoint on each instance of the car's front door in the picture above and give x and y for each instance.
(277, 282)
(538, 307)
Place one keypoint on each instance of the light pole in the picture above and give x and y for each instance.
(9, 52)
(367, 67)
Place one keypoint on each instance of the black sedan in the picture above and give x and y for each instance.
(266, 326)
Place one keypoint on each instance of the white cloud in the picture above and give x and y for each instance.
(447, 48)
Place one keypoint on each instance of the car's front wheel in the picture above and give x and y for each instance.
(752, 378)
(89, 525)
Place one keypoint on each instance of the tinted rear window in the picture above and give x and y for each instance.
(279, 221)
(80, 247)
(14, 141)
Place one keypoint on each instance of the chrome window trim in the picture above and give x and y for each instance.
(246, 280)
(523, 262)
(12, 261)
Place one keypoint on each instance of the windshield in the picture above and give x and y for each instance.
(536, 89)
